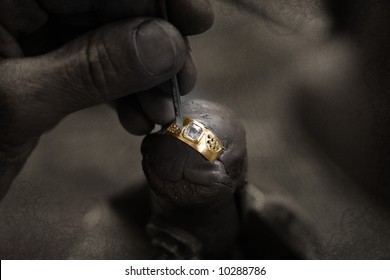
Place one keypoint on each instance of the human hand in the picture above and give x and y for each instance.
(132, 57)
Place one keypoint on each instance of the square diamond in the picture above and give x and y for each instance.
(193, 132)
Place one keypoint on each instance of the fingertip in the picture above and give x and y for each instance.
(131, 116)
(194, 17)
(187, 76)
(157, 105)
(159, 47)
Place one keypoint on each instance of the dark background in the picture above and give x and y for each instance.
(61, 204)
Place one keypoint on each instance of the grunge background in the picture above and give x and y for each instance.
(297, 87)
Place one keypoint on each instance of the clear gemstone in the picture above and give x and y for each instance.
(193, 131)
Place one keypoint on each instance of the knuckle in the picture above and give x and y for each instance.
(98, 73)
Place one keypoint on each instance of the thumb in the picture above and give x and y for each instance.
(102, 65)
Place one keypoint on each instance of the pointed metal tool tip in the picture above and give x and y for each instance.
(175, 85)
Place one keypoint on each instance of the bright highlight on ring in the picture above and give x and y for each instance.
(198, 137)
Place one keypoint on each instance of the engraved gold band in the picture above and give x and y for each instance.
(197, 136)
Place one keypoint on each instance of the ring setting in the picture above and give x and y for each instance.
(197, 136)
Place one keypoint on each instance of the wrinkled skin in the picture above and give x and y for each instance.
(58, 57)
(193, 199)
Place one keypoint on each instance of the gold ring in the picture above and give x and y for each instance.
(197, 136)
